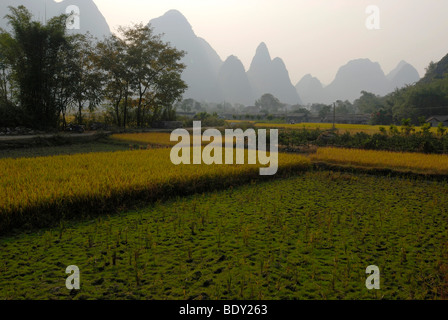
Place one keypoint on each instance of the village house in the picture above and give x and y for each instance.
(435, 120)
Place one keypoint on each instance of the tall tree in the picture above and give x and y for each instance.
(5, 70)
(187, 105)
(168, 89)
(269, 102)
(35, 53)
(111, 59)
(139, 65)
(9, 113)
(324, 111)
(86, 79)
(368, 102)
(344, 107)
(155, 68)
(422, 100)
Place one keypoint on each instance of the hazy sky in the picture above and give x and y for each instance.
(311, 36)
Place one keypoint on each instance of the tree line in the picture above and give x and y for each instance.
(416, 102)
(406, 138)
(46, 72)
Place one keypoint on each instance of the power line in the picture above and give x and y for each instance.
(427, 107)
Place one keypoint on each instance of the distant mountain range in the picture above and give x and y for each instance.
(91, 18)
(213, 80)
(203, 63)
(271, 76)
(352, 78)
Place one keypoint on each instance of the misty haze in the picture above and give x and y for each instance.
(223, 155)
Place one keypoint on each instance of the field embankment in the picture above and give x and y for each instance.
(48, 140)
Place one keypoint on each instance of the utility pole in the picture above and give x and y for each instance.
(334, 115)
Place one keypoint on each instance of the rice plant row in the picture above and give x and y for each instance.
(42, 191)
(398, 161)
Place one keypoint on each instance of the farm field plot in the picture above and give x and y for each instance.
(105, 145)
(43, 190)
(307, 237)
(151, 138)
(352, 128)
(157, 139)
(398, 161)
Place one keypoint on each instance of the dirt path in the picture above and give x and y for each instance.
(48, 135)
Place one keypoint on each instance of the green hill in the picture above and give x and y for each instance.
(436, 70)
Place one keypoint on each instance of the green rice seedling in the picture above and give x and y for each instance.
(61, 229)
(272, 266)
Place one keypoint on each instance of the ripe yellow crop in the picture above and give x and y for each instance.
(417, 162)
(152, 138)
(352, 128)
(43, 190)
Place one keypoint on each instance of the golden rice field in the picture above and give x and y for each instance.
(152, 138)
(40, 191)
(324, 126)
(352, 128)
(416, 162)
(163, 138)
(155, 138)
